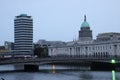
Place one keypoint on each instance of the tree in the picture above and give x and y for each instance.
(41, 51)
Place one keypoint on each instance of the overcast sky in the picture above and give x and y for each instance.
(60, 19)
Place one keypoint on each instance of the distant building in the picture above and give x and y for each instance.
(9, 45)
(2, 48)
(44, 43)
(106, 44)
(23, 34)
(108, 36)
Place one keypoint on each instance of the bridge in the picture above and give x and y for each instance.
(94, 62)
(5, 61)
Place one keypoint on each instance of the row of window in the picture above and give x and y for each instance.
(23, 42)
(23, 33)
(20, 34)
(23, 22)
(23, 48)
(23, 25)
(24, 28)
(27, 41)
(95, 54)
(100, 54)
(106, 47)
(20, 31)
(23, 37)
(25, 19)
(17, 23)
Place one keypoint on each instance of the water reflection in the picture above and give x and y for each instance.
(117, 77)
(86, 76)
(58, 68)
(113, 75)
(53, 69)
(58, 72)
(6, 68)
(24, 76)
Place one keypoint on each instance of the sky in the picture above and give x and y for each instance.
(60, 20)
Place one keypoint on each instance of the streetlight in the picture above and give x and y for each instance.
(113, 61)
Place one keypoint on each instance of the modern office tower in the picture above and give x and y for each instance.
(23, 34)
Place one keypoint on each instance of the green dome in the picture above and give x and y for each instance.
(85, 24)
(23, 14)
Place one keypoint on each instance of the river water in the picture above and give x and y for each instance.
(56, 72)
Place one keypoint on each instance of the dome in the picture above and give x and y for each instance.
(23, 14)
(85, 24)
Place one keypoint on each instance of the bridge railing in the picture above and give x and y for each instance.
(54, 58)
(85, 56)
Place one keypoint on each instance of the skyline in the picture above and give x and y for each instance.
(55, 18)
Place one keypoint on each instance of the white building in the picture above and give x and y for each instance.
(106, 44)
(23, 34)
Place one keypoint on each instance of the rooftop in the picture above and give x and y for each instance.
(23, 14)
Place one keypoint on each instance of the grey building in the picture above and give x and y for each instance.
(85, 33)
(108, 36)
(44, 43)
(105, 45)
(9, 45)
(23, 34)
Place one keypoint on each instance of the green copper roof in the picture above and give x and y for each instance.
(85, 24)
(23, 14)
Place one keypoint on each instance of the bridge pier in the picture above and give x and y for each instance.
(102, 66)
(31, 67)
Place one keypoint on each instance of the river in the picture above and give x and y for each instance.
(56, 72)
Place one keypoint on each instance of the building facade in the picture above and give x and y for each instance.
(44, 43)
(106, 44)
(9, 45)
(23, 34)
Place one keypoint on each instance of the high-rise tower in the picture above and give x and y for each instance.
(85, 34)
(23, 34)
